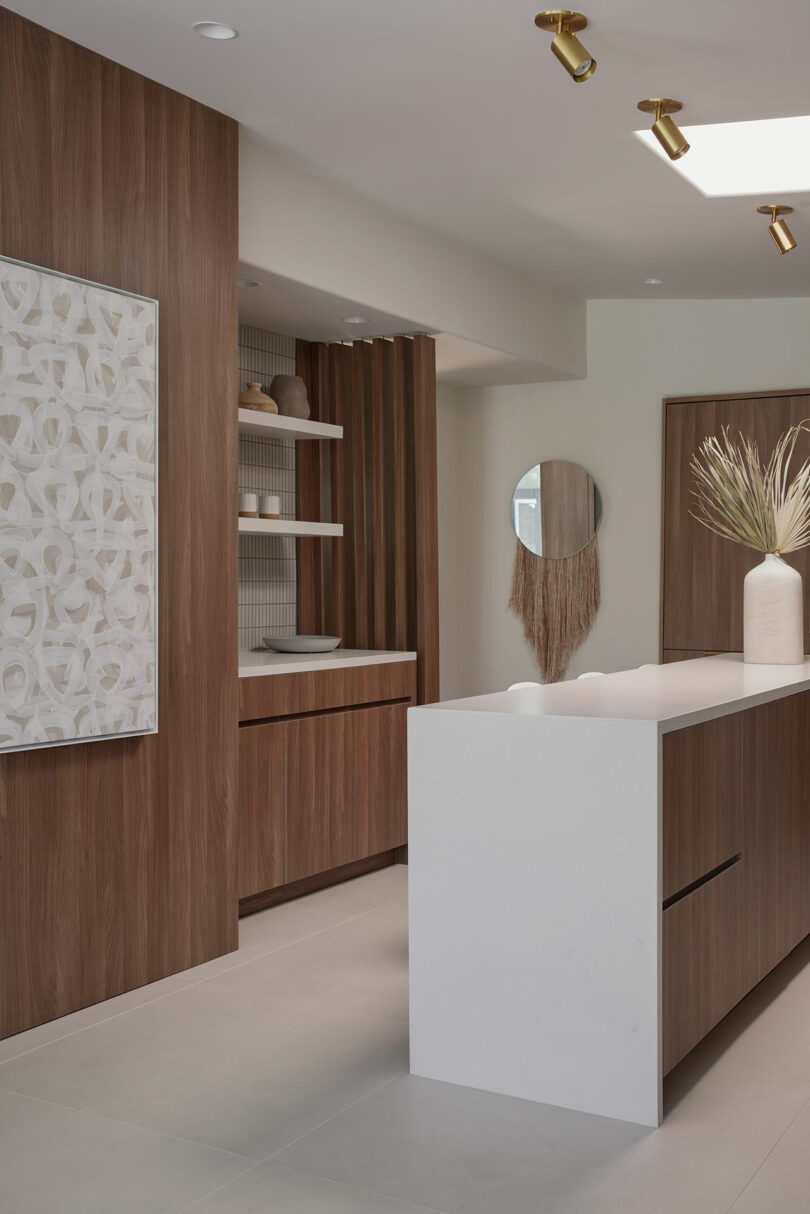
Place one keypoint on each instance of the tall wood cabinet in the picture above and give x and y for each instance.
(702, 575)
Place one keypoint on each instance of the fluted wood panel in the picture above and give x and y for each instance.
(377, 587)
(117, 858)
(702, 584)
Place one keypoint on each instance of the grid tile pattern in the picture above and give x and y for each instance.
(267, 564)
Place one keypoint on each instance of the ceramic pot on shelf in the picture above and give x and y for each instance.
(773, 614)
(254, 398)
(291, 393)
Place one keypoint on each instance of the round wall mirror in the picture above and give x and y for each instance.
(556, 509)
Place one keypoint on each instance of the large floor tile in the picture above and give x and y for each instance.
(268, 930)
(270, 1188)
(782, 1184)
(361, 966)
(472, 1152)
(218, 1066)
(43, 1034)
(57, 1161)
(364, 893)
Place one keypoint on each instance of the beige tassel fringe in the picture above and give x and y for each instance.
(557, 602)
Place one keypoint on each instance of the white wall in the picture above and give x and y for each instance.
(307, 229)
(638, 353)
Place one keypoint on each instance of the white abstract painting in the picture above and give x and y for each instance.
(78, 499)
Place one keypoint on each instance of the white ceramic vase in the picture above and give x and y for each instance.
(773, 611)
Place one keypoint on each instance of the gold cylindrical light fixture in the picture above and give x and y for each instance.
(664, 129)
(782, 236)
(565, 24)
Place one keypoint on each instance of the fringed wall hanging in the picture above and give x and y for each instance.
(556, 511)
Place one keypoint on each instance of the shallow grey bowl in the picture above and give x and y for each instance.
(301, 644)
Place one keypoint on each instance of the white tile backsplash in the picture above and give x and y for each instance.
(267, 564)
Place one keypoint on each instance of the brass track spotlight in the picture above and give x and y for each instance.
(782, 236)
(664, 129)
(565, 45)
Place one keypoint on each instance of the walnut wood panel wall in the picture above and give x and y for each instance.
(117, 858)
(378, 586)
(702, 574)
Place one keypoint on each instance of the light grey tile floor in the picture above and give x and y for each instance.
(276, 1079)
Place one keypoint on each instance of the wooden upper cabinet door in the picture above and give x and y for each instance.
(320, 832)
(702, 799)
(261, 807)
(703, 574)
(381, 778)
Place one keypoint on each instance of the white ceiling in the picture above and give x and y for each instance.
(454, 113)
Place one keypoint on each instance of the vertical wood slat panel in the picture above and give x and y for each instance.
(360, 484)
(378, 495)
(117, 858)
(425, 519)
(380, 582)
(396, 540)
(308, 496)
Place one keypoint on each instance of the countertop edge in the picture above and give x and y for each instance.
(303, 663)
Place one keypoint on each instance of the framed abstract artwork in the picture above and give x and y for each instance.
(78, 510)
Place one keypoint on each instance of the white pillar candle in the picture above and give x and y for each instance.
(269, 506)
(248, 505)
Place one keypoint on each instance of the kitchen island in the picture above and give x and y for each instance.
(599, 871)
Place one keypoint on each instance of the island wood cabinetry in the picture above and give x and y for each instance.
(323, 780)
(736, 861)
(636, 859)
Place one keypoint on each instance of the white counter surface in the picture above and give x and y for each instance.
(262, 662)
(673, 695)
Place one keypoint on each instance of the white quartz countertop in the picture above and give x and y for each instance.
(672, 696)
(263, 662)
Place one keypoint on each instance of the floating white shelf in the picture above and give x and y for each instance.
(280, 526)
(273, 425)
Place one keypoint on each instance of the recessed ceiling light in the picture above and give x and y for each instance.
(738, 158)
(248, 282)
(653, 282)
(355, 320)
(214, 29)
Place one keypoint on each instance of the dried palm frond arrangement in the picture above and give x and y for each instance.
(741, 499)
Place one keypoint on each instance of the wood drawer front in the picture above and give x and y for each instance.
(702, 962)
(261, 696)
(317, 690)
(261, 807)
(703, 800)
(392, 681)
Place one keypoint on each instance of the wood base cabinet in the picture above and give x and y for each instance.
(736, 861)
(320, 815)
(323, 780)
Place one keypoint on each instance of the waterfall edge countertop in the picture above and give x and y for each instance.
(673, 695)
(547, 959)
(266, 662)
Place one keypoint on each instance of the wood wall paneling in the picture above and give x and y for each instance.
(262, 807)
(702, 799)
(702, 595)
(118, 858)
